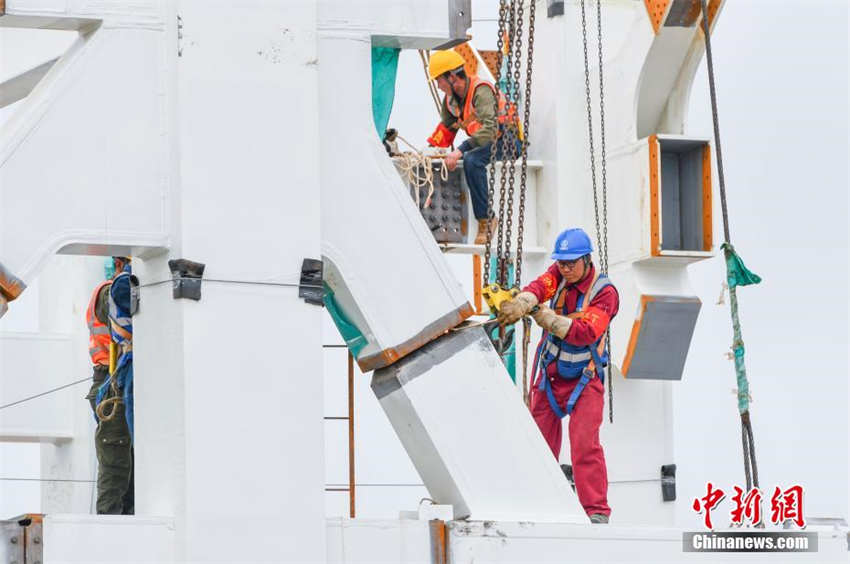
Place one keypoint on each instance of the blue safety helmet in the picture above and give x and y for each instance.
(572, 244)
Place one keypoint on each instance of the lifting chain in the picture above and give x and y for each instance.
(491, 177)
(511, 19)
(511, 136)
(526, 322)
(590, 140)
(501, 142)
(601, 230)
(524, 169)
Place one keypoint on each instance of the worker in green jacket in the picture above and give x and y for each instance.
(482, 111)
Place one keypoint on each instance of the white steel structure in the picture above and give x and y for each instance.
(241, 137)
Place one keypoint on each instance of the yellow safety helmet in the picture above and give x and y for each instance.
(444, 61)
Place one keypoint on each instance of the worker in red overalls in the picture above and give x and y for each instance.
(570, 360)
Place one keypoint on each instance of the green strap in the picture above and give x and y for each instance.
(737, 274)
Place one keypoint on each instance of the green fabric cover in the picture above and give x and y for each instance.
(352, 336)
(384, 67)
(737, 273)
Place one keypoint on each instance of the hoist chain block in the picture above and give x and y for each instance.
(495, 296)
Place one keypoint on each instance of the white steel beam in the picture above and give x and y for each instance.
(469, 435)
(380, 257)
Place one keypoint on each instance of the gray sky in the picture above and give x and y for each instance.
(782, 82)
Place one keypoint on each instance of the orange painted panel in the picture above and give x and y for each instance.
(707, 211)
(656, 9)
(654, 188)
(630, 351)
(492, 60)
(470, 61)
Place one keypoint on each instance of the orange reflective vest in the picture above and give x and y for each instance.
(468, 120)
(99, 336)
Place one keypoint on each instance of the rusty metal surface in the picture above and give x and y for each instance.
(437, 533)
(683, 13)
(11, 543)
(10, 285)
(428, 334)
(21, 540)
(34, 540)
(351, 457)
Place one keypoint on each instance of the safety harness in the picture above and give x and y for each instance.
(585, 362)
(118, 387)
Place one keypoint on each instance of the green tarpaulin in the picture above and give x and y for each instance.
(384, 67)
(350, 333)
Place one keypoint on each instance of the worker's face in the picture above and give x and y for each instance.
(444, 85)
(572, 270)
(119, 266)
(458, 84)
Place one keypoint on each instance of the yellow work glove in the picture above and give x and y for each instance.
(557, 325)
(512, 311)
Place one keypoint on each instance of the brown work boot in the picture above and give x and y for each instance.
(481, 238)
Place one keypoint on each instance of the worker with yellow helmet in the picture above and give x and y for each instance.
(482, 111)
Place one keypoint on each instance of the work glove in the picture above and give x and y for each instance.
(512, 311)
(442, 136)
(550, 321)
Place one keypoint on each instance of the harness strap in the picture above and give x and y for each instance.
(553, 403)
(586, 376)
(597, 352)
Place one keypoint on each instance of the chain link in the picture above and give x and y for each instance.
(603, 251)
(590, 126)
(524, 169)
(511, 135)
(504, 141)
(601, 230)
(491, 174)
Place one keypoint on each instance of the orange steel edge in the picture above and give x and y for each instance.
(2, 7)
(627, 361)
(654, 186)
(351, 435)
(439, 542)
(476, 284)
(392, 354)
(470, 61)
(10, 287)
(707, 211)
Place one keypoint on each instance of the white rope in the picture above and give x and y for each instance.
(418, 168)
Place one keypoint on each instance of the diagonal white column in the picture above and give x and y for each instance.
(469, 435)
